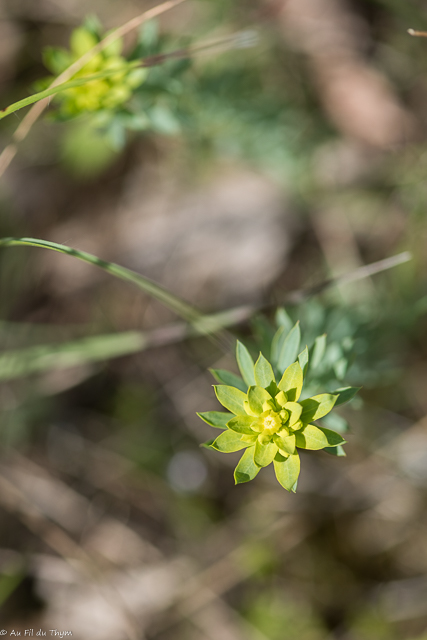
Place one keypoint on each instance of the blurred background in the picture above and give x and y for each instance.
(241, 176)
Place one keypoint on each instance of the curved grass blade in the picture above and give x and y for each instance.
(51, 91)
(51, 357)
(155, 290)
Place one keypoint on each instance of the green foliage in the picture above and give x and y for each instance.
(331, 338)
(270, 420)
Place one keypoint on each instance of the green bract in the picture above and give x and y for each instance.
(269, 420)
(107, 92)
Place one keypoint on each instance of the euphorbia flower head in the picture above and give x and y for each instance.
(269, 420)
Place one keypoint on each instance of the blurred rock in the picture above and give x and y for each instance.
(216, 244)
(220, 243)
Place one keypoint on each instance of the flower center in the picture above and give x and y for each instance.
(271, 423)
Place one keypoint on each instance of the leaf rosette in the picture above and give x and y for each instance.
(268, 420)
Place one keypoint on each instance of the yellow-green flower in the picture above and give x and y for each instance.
(107, 92)
(269, 420)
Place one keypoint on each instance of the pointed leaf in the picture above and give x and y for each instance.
(315, 438)
(217, 419)
(318, 351)
(336, 451)
(286, 444)
(340, 368)
(283, 319)
(289, 351)
(317, 407)
(263, 330)
(277, 343)
(241, 424)
(228, 441)
(256, 398)
(208, 444)
(345, 394)
(294, 409)
(303, 360)
(281, 398)
(246, 469)
(292, 381)
(334, 439)
(228, 378)
(264, 453)
(264, 375)
(231, 398)
(245, 363)
(287, 470)
(249, 410)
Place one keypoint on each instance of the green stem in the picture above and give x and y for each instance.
(181, 308)
(77, 82)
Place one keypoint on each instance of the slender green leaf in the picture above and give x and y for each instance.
(283, 319)
(246, 469)
(334, 439)
(241, 424)
(264, 453)
(264, 332)
(292, 381)
(317, 407)
(217, 419)
(289, 351)
(208, 444)
(245, 363)
(264, 375)
(333, 353)
(228, 378)
(228, 442)
(345, 394)
(318, 351)
(277, 343)
(303, 360)
(51, 91)
(287, 471)
(312, 437)
(340, 368)
(231, 398)
(336, 451)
